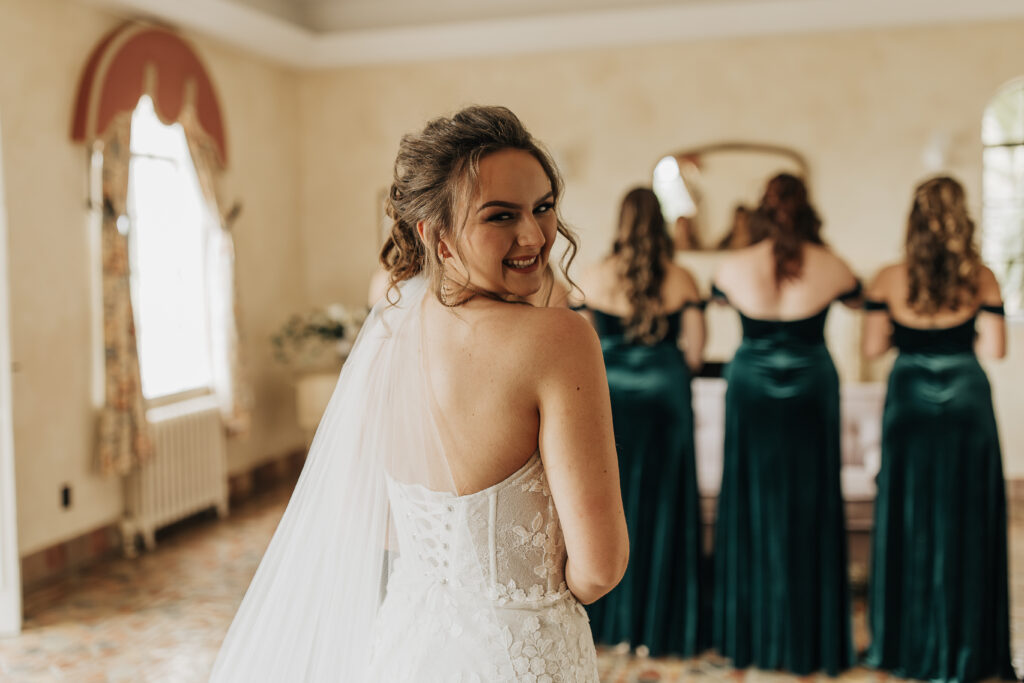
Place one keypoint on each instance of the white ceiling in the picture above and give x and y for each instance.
(328, 16)
(314, 34)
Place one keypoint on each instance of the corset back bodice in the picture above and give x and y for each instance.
(503, 544)
(478, 590)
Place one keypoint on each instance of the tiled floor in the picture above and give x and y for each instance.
(162, 617)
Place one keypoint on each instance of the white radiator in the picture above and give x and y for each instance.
(186, 474)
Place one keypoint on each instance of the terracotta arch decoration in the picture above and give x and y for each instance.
(138, 59)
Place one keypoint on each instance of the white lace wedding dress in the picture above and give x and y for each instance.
(473, 586)
(477, 592)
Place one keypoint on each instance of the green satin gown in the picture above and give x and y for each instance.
(658, 602)
(781, 596)
(938, 602)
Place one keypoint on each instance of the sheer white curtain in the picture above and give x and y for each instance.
(230, 382)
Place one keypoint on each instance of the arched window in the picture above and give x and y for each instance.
(1002, 242)
(163, 244)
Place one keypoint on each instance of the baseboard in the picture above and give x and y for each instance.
(74, 555)
(265, 476)
(69, 557)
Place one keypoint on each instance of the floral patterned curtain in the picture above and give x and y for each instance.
(230, 381)
(124, 437)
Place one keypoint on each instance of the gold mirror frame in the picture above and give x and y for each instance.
(695, 202)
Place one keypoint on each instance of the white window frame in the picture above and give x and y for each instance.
(1017, 144)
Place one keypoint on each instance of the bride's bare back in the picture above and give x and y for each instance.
(488, 363)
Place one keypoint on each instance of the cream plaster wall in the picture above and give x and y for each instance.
(862, 106)
(43, 46)
(310, 154)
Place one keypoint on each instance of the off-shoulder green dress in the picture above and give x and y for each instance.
(781, 597)
(938, 602)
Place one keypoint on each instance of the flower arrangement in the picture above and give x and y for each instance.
(321, 338)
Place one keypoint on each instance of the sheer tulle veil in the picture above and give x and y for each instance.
(309, 612)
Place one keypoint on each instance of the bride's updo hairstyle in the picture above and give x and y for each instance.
(436, 170)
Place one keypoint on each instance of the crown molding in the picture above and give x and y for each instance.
(284, 42)
(239, 25)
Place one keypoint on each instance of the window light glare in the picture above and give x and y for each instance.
(169, 232)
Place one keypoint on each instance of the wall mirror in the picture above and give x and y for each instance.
(705, 191)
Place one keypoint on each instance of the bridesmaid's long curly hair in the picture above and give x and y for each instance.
(643, 246)
(943, 263)
(786, 216)
(435, 170)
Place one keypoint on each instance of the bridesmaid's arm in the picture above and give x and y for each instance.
(851, 293)
(694, 336)
(876, 338)
(991, 324)
(694, 332)
(853, 296)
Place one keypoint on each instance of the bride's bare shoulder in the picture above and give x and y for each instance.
(549, 333)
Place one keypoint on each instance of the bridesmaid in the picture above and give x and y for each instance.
(644, 307)
(781, 599)
(938, 598)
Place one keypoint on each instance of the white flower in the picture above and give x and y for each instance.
(338, 313)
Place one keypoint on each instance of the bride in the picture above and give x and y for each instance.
(461, 496)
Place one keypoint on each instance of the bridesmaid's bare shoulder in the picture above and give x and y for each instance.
(989, 291)
(682, 283)
(886, 282)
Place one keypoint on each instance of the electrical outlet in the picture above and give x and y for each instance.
(65, 496)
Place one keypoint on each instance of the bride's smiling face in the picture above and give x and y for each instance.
(510, 226)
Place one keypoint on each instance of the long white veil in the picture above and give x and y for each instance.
(309, 613)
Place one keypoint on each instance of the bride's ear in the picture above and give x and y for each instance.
(443, 250)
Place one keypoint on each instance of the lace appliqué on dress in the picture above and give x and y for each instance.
(480, 593)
